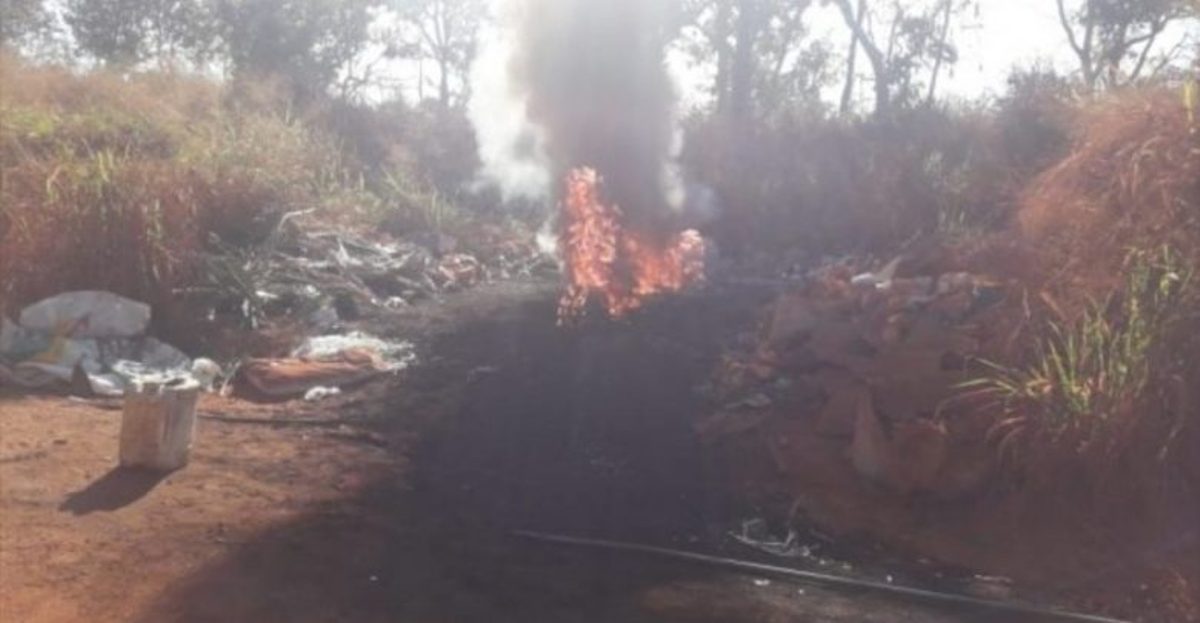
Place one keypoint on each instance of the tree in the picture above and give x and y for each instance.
(758, 51)
(917, 38)
(1113, 40)
(108, 30)
(20, 19)
(444, 32)
(129, 32)
(305, 43)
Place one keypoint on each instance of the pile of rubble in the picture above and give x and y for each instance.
(856, 369)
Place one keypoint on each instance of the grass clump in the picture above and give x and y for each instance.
(1089, 380)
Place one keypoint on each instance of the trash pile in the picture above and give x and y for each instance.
(89, 341)
(857, 367)
(329, 276)
(95, 343)
(320, 280)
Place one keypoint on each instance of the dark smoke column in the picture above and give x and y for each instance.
(595, 81)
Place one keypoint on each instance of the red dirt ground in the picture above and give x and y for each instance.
(308, 523)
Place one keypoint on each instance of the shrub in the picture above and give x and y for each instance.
(837, 186)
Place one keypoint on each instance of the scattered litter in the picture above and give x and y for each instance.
(395, 355)
(321, 392)
(294, 377)
(206, 372)
(320, 275)
(880, 280)
(762, 582)
(90, 338)
(755, 533)
(322, 366)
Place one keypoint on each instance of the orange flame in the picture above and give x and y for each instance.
(620, 267)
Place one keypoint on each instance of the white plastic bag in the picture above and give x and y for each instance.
(87, 314)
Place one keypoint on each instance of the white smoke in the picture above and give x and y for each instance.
(511, 148)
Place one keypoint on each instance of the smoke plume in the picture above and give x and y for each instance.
(573, 83)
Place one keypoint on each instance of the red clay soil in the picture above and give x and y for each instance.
(333, 521)
(1057, 548)
(80, 540)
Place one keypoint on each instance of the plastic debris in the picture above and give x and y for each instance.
(880, 280)
(395, 355)
(321, 392)
(206, 372)
(294, 377)
(325, 365)
(87, 314)
(755, 533)
(99, 335)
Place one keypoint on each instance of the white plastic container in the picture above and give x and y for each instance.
(158, 423)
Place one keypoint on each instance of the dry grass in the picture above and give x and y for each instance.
(1116, 229)
(1132, 180)
(120, 183)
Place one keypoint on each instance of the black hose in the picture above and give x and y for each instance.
(821, 578)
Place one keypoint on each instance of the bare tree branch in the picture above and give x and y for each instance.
(1070, 30)
(1150, 38)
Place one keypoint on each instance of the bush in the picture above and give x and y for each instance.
(837, 186)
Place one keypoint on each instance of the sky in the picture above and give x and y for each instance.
(1003, 34)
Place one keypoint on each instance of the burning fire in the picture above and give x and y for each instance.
(620, 267)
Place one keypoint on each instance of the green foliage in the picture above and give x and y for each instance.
(20, 19)
(1089, 376)
(128, 32)
(303, 43)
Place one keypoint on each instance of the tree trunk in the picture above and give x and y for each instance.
(742, 78)
(943, 35)
(878, 62)
(852, 62)
(444, 85)
(721, 31)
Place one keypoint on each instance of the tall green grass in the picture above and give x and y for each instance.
(1088, 378)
